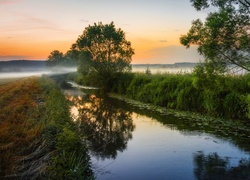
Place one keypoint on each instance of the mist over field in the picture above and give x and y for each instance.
(21, 74)
(184, 67)
(24, 68)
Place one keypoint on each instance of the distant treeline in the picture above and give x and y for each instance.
(22, 65)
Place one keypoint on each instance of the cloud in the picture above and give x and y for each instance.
(39, 23)
(163, 41)
(27, 23)
(3, 2)
(84, 20)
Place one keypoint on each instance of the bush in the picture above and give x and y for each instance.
(136, 85)
(235, 105)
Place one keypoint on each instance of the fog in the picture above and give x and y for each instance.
(164, 68)
(141, 68)
(21, 73)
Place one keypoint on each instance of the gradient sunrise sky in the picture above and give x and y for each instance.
(31, 29)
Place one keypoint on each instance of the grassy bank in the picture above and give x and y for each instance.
(214, 95)
(37, 137)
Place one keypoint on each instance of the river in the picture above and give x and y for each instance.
(127, 142)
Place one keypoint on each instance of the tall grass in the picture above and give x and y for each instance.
(213, 94)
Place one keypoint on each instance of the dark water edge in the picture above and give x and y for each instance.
(236, 131)
(117, 153)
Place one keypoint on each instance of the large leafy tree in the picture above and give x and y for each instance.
(224, 38)
(104, 50)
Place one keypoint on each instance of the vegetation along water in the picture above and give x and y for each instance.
(135, 140)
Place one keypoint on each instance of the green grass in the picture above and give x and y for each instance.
(218, 96)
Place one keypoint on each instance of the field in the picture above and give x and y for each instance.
(20, 127)
(37, 137)
(5, 81)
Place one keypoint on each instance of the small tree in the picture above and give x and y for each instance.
(55, 58)
(148, 71)
(104, 51)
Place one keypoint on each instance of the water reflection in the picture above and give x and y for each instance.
(213, 166)
(107, 128)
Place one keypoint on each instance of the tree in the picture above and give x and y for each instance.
(242, 5)
(224, 38)
(56, 57)
(104, 50)
(72, 56)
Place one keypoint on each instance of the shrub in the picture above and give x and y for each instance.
(235, 106)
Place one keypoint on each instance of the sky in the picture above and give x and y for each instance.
(31, 29)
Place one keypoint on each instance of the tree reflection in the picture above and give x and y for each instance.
(213, 166)
(106, 127)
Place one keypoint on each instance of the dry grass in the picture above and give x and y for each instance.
(8, 80)
(20, 129)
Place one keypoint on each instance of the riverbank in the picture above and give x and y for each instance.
(236, 130)
(38, 138)
(218, 96)
(212, 103)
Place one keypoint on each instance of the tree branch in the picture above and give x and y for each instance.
(245, 3)
(232, 61)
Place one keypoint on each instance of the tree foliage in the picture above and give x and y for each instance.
(104, 50)
(55, 58)
(72, 55)
(242, 5)
(224, 37)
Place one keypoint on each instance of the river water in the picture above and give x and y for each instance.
(127, 142)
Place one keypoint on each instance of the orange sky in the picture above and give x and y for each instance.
(32, 29)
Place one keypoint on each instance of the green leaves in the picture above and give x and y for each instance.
(109, 51)
(104, 53)
(224, 37)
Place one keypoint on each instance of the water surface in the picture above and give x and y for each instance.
(129, 143)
